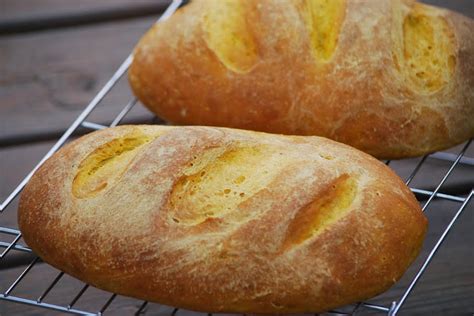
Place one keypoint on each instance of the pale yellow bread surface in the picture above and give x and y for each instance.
(393, 78)
(222, 220)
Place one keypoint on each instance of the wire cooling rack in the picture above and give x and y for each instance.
(10, 238)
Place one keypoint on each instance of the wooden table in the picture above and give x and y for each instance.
(54, 57)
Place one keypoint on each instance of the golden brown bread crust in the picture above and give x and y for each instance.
(397, 83)
(217, 219)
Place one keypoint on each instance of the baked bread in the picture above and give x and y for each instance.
(222, 220)
(393, 78)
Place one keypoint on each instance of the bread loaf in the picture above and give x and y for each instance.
(222, 220)
(393, 78)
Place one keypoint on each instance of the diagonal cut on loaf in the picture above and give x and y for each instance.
(392, 78)
(222, 220)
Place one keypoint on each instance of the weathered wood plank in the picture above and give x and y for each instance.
(27, 16)
(20, 9)
(47, 78)
(13, 9)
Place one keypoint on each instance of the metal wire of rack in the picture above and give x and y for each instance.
(13, 243)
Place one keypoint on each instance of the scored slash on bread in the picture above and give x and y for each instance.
(222, 220)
